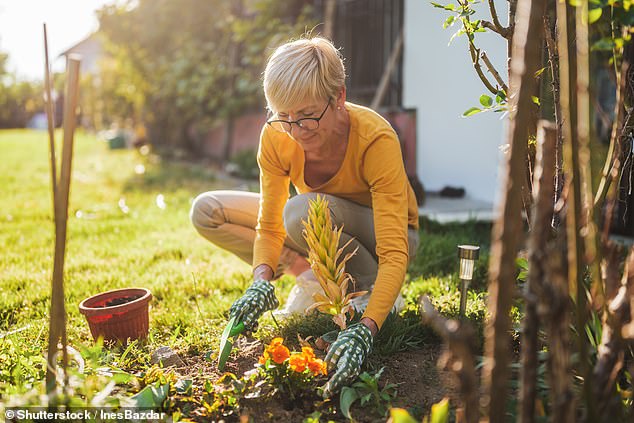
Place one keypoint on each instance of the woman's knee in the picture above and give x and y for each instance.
(207, 211)
(296, 211)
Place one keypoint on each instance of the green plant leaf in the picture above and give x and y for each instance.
(440, 412)
(346, 399)
(184, 386)
(449, 21)
(472, 111)
(152, 396)
(500, 97)
(604, 44)
(486, 100)
(535, 100)
(594, 15)
(522, 263)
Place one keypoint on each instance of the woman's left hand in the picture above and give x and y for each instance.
(346, 355)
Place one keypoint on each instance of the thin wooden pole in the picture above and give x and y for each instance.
(543, 192)
(57, 329)
(387, 72)
(507, 228)
(51, 123)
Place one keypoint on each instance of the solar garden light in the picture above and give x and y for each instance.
(468, 254)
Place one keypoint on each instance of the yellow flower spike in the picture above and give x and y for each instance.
(325, 258)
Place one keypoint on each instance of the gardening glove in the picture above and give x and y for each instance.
(347, 354)
(257, 299)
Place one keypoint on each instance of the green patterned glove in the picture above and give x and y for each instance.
(257, 299)
(347, 354)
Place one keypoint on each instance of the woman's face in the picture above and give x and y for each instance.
(311, 140)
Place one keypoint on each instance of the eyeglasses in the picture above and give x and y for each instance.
(309, 123)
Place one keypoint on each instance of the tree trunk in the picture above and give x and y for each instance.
(507, 228)
(543, 190)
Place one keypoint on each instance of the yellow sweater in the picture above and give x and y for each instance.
(372, 174)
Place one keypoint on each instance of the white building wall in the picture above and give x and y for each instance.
(440, 82)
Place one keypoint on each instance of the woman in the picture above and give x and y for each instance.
(321, 144)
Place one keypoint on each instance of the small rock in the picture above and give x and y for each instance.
(167, 356)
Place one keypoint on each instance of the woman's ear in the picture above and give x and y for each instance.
(341, 98)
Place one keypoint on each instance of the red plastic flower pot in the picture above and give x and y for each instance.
(119, 314)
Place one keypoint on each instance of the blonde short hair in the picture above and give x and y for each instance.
(308, 69)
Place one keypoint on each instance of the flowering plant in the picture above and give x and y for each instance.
(290, 373)
(328, 265)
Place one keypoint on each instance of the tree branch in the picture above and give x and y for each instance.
(494, 72)
(504, 32)
(475, 59)
(496, 22)
(619, 127)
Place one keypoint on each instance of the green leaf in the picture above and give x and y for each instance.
(472, 111)
(594, 15)
(535, 99)
(440, 412)
(152, 396)
(500, 97)
(456, 34)
(347, 397)
(522, 263)
(540, 71)
(449, 21)
(184, 386)
(486, 100)
(604, 44)
(400, 415)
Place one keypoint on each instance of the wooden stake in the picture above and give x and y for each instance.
(507, 228)
(543, 192)
(57, 329)
(387, 72)
(51, 123)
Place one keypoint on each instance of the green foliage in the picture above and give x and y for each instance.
(19, 100)
(367, 391)
(401, 333)
(437, 253)
(191, 64)
(489, 104)
(244, 164)
(117, 237)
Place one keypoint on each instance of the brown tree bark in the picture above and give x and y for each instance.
(543, 190)
(507, 228)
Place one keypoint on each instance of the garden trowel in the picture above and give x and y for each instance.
(234, 327)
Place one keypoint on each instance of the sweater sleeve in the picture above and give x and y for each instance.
(274, 192)
(384, 171)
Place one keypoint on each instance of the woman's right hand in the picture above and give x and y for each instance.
(257, 299)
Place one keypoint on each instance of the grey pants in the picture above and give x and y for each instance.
(228, 220)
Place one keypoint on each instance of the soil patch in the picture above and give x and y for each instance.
(419, 384)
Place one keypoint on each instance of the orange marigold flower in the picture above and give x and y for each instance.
(262, 360)
(276, 341)
(280, 353)
(308, 353)
(317, 366)
(297, 362)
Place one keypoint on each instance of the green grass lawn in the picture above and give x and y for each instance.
(119, 237)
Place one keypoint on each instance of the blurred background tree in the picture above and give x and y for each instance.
(20, 100)
(182, 67)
